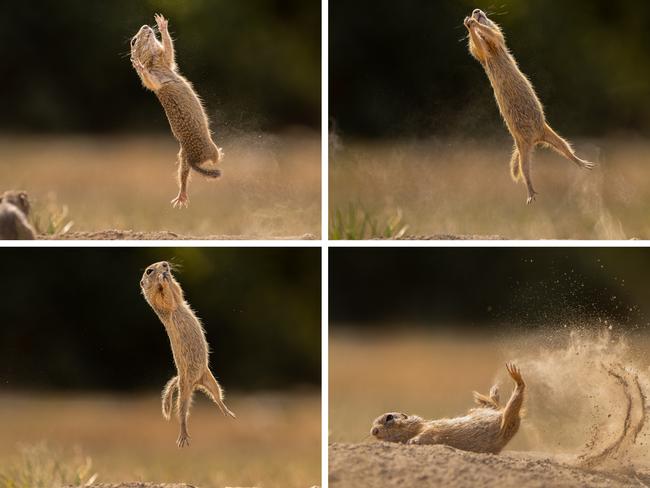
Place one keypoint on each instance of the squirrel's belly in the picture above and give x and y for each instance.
(189, 347)
(518, 103)
(476, 433)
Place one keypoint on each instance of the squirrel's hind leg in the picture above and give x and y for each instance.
(211, 387)
(182, 199)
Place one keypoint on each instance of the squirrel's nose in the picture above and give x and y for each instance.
(374, 431)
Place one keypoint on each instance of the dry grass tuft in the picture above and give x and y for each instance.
(41, 466)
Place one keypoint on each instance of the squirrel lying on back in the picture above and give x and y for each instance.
(487, 428)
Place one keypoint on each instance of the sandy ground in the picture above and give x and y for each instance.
(453, 237)
(130, 235)
(393, 465)
(139, 485)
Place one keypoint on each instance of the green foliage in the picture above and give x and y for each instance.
(256, 64)
(260, 309)
(403, 68)
(499, 290)
(357, 223)
(39, 466)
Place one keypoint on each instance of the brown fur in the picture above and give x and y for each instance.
(519, 105)
(487, 428)
(14, 213)
(155, 64)
(189, 347)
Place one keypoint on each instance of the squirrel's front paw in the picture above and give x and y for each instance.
(161, 21)
(414, 441)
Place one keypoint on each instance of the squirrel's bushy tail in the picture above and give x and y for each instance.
(515, 165)
(215, 158)
(168, 397)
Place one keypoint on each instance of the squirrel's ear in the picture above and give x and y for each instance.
(404, 416)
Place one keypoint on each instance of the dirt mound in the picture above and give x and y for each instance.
(453, 237)
(130, 235)
(138, 485)
(399, 466)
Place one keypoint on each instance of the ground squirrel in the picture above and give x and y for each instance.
(155, 64)
(487, 428)
(14, 210)
(189, 347)
(516, 98)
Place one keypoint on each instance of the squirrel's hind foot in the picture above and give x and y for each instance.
(181, 201)
(588, 165)
(183, 440)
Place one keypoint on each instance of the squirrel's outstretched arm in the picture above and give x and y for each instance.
(168, 43)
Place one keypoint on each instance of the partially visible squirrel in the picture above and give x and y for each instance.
(155, 64)
(487, 428)
(14, 211)
(516, 98)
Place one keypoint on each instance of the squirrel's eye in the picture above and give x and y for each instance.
(132, 42)
(149, 271)
(165, 265)
(389, 418)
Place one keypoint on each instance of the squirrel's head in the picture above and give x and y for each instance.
(482, 18)
(490, 34)
(156, 275)
(145, 46)
(18, 199)
(396, 427)
(160, 288)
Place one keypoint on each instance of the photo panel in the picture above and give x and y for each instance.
(475, 120)
(161, 120)
(126, 366)
(504, 366)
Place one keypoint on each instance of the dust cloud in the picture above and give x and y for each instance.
(587, 400)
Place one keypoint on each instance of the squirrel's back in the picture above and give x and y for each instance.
(515, 95)
(188, 120)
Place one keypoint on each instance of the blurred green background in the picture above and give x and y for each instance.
(65, 64)
(490, 289)
(74, 318)
(403, 68)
